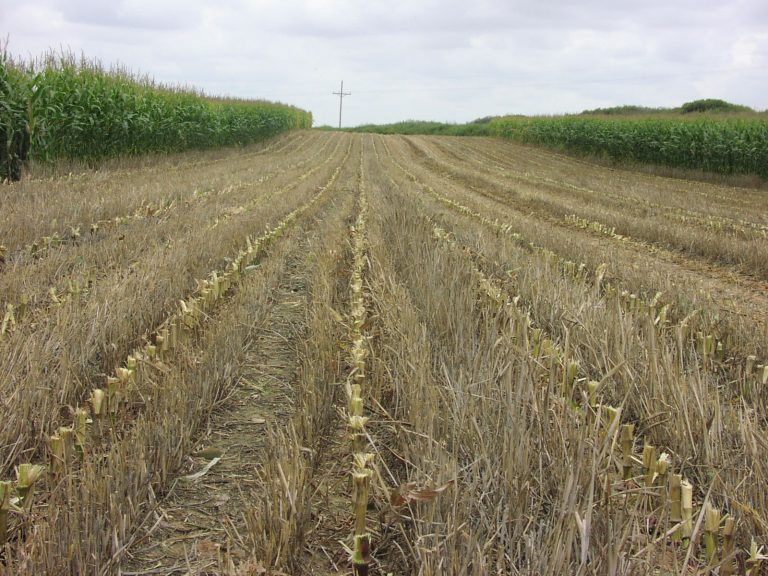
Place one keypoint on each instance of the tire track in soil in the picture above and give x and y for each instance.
(330, 519)
(201, 527)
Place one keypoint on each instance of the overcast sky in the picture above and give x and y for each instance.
(447, 60)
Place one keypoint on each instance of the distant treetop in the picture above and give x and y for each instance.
(713, 105)
(627, 109)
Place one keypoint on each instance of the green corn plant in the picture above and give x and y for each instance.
(59, 106)
(713, 144)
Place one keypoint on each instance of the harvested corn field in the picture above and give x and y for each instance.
(335, 353)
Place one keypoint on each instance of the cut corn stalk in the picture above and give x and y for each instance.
(729, 530)
(686, 499)
(649, 464)
(756, 558)
(61, 450)
(362, 540)
(676, 504)
(80, 430)
(711, 529)
(662, 469)
(627, 440)
(98, 402)
(5, 506)
(27, 476)
(9, 320)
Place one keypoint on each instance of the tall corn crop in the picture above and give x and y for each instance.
(60, 107)
(14, 129)
(713, 144)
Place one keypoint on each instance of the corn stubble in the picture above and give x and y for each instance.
(469, 398)
(575, 483)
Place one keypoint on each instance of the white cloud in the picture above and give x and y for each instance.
(750, 50)
(433, 59)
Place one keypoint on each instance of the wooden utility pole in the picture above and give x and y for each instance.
(341, 95)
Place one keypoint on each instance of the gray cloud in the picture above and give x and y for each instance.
(432, 59)
(132, 14)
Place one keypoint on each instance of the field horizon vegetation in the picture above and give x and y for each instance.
(276, 350)
(711, 136)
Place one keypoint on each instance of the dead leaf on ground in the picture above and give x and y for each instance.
(207, 548)
(221, 499)
(408, 493)
(208, 453)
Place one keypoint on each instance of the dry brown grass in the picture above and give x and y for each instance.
(477, 369)
(731, 303)
(626, 213)
(507, 351)
(86, 338)
(136, 451)
(117, 246)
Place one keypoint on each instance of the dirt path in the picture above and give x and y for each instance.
(200, 525)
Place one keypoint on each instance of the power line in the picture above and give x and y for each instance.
(341, 95)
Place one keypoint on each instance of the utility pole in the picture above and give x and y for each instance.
(341, 95)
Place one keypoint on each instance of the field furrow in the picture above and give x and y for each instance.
(70, 271)
(623, 222)
(718, 199)
(512, 258)
(34, 210)
(562, 360)
(141, 298)
(734, 302)
(158, 389)
(241, 432)
(667, 203)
